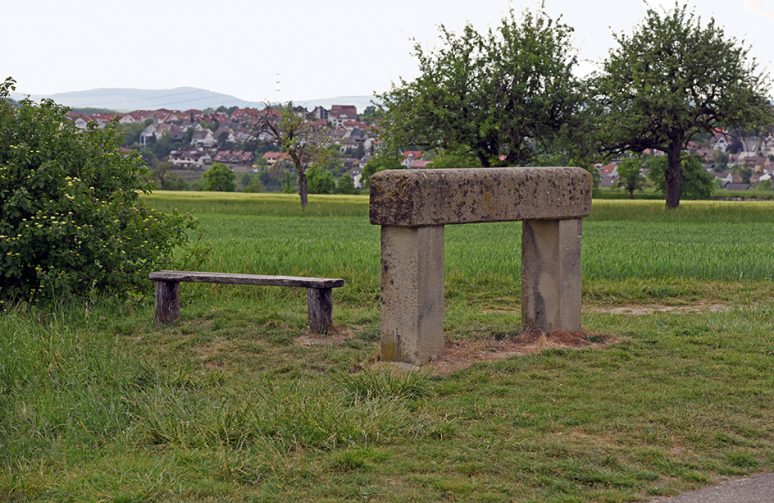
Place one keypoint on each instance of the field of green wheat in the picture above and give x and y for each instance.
(238, 402)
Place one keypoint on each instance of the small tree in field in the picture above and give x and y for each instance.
(219, 178)
(303, 141)
(672, 79)
(71, 219)
(629, 177)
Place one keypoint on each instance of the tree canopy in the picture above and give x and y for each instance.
(219, 178)
(505, 95)
(671, 79)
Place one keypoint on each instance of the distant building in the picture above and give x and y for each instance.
(203, 138)
(273, 157)
(234, 157)
(340, 113)
(189, 158)
(319, 113)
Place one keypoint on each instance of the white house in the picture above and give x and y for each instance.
(189, 158)
(149, 132)
(203, 138)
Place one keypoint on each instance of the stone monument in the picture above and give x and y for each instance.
(413, 205)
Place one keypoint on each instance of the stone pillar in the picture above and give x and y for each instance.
(551, 275)
(412, 293)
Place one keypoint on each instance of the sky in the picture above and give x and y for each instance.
(292, 49)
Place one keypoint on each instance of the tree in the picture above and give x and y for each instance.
(303, 141)
(250, 182)
(697, 183)
(459, 157)
(507, 92)
(384, 159)
(71, 219)
(719, 161)
(219, 178)
(744, 173)
(321, 181)
(629, 175)
(672, 79)
(346, 185)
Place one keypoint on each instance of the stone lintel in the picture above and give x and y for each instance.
(419, 197)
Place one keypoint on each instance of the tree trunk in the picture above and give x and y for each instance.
(674, 176)
(302, 189)
(483, 158)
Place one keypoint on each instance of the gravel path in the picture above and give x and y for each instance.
(755, 489)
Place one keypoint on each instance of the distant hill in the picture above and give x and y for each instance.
(179, 98)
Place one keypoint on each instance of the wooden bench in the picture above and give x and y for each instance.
(319, 292)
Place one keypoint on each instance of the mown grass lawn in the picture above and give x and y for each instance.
(235, 403)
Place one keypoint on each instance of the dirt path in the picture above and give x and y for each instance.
(755, 489)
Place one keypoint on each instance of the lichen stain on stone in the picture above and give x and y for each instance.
(388, 351)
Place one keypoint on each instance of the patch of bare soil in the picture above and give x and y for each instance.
(645, 309)
(459, 355)
(211, 353)
(336, 335)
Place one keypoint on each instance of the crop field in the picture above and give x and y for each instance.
(672, 389)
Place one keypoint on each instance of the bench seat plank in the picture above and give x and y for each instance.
(246, 279)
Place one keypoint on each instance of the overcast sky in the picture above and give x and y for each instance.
(314, 48)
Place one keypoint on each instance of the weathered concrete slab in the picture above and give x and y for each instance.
(416, 197)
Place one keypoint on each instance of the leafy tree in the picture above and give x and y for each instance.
(71, 219)
(219, 178)
(381, 161)
(165, 179)
(743, 172)
(507, 92)
(719, 161)
(359, 151)
(131, 133)
(345, 185)
(371, 113)
(459, 157)
(161, 147)
(321, 181)
(250, 182)
(303, 141)
(672, 79)
(629, 175)
(223, 139)
(289, 183)
(697, 183)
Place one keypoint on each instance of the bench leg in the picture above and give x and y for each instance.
(167, 301)
(320, 309)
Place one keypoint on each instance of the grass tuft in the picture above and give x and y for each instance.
(370, 385)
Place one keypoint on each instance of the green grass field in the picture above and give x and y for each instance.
(237, 402)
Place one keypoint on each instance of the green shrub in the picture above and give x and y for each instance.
(219, 178)
(71, 221)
